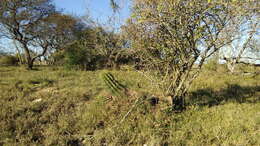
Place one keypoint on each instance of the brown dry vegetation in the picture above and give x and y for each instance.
(53, 106)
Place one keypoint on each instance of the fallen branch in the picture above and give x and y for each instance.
(131, 109)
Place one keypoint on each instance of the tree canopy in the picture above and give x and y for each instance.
(174, 38)
(34, 24)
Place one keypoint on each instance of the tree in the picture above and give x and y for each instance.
(110, 42)
(95, 47)
(174, 38)
(243, 29)
(114, 5)
(35, 25)
(82, 52)
(111, 46)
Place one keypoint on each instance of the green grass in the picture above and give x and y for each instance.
(52, 106)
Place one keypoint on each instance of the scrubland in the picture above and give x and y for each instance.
(53, 106)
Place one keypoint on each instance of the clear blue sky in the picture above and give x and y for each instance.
(97, 9)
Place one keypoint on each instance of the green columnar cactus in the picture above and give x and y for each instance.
(113, 84)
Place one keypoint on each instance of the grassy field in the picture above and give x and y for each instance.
(53, 106)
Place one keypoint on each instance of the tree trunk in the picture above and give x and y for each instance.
(30, 64)
(18, 53)
(29, 59)
(178, 103)
(180, 89)
(177, 95)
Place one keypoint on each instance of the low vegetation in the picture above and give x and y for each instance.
(8, 60)
(53, 106)
(176, 72)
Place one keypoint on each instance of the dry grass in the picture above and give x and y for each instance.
(52, 106)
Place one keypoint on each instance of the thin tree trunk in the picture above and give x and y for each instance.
(30, 65)
(18, 53)
(29, 59)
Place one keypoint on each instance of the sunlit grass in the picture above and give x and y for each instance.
(53, 106)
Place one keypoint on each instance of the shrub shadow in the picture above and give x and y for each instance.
(233, 93)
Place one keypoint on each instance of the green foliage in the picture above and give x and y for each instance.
(82, 59)
(82, 54)
(76, 58)
(8, 60)
(96, 48)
